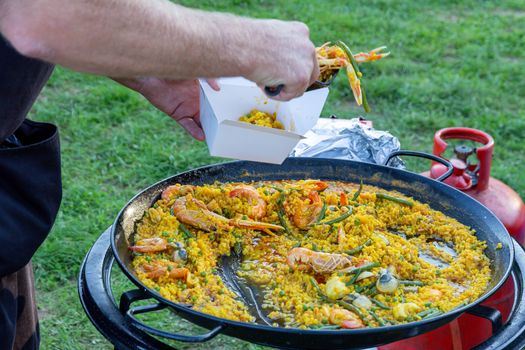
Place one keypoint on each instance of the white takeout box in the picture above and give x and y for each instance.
(227, 137)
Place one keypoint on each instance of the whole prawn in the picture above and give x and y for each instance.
(304, 259)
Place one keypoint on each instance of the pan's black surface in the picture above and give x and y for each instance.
(439, 196)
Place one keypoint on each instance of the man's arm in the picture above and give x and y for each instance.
(133, 38)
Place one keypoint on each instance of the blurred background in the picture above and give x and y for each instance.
(452, 63)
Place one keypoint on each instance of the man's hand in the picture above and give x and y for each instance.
(177, 98)
(286, 56)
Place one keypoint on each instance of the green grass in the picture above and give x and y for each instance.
(452, 64)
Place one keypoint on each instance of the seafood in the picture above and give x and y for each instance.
(194, 212)
(180, 255)
(176, 191)
(150, 245)
(315, 185)
(336, 288)
(403, 310)
(387, 282)
(362, 301)
(304, 259)
(258, 205)
(308, 212)
(199, 216)
(339, 56)
(345, 319)
(169, 269)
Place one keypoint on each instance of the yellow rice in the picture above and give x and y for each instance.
(290, 297)
(257, 117)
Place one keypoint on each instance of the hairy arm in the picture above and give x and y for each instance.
(134, 38)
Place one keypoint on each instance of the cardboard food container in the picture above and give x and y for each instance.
(227, 137)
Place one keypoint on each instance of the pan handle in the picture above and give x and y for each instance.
(446, 163)
(491, 314)
(129, 297)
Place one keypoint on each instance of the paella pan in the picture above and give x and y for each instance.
(321, 299)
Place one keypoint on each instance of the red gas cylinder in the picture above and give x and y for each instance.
(474, 179)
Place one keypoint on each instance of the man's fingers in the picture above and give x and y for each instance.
(214, 84)
(288, 95)
(190, 125)
(315, 71)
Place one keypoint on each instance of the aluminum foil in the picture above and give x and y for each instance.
(350, 139)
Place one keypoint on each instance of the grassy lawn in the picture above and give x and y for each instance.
(452, 64)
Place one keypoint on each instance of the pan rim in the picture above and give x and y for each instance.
(299, 331)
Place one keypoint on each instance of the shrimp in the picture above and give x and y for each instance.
(314, 185)
(176, 191)
(150, 245)
(345, 319)
(434, 294)
(341, 235)
(209, 221)
(372, 55)
(159, 269)
(331, 58)
(256, 225)
(355, 84)
(200, 216)
(304, 259)
(258, 208)
(343, 199)
(306, 214)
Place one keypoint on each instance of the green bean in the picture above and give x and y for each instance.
(366, 106)
(394, 199)
(436, 313)
(377, 318)
(337, 219)
(359, 289)
(359, 248)
(389, 321)
(411, 283)
(353, 62)
(281, 214)
(359, 271)
(237, 247)
(380, 304)
(424, 313)
(352, 308)
(317, 288)
(187, 234)
(325, 326)
(322, 213)
(365, 267)
(371, 291)
(358, 192)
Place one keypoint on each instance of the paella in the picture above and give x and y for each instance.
(261, 118)
(320, 254)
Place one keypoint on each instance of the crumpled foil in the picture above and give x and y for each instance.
(350, 139)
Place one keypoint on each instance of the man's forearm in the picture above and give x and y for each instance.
(126, 38)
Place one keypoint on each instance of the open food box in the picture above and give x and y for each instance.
(227, 137)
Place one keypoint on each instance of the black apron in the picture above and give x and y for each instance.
(30, 193)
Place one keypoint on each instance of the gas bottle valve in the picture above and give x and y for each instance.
(463, 152)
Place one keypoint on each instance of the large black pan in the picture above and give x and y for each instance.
(438, 195)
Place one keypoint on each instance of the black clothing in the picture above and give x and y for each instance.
(21, 80)
(30, 193)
